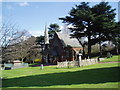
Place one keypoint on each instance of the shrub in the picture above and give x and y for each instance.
(38, 60)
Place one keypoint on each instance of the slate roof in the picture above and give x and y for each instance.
(68, 41)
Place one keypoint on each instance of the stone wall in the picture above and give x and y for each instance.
(77, 63)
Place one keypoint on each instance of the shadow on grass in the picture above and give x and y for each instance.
(90, 76)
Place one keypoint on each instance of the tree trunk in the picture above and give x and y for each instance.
(100, 48)
(33, 61)
(83, 51)
(117, 51)
(89, 46)
(100, 45)
(22, 60)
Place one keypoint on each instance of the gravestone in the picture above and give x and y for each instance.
(109, 55)
(79, 58)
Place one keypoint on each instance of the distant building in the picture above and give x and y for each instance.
(17, 62)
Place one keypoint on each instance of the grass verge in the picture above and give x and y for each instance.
(112, 59)
(94, 76)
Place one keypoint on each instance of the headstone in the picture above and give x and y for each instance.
(79, 59)
(41, 67)
(108, 55)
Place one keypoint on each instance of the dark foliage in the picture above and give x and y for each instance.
(95, 22)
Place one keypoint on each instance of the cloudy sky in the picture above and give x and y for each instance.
(34, 15)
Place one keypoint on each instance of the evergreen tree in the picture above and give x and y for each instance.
(95, 22)
(116, 37)
(52, 28)
(103, 23)
(40, 39)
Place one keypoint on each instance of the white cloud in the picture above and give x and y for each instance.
(24, 4)
(61, 27)
(36, 33)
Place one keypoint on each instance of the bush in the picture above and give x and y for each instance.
(38, 60)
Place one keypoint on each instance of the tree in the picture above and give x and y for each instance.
(40, 39)
(80, 18)
(95, 22)
(52, 28)
(84, 43)
(116, 37)
(10, 37)
(33, 53)
(103, 23)
(25, 46)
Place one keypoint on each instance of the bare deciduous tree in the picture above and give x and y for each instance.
(11, 35)
(25, 46)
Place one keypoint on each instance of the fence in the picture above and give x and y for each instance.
(77, 63)
(88, 62)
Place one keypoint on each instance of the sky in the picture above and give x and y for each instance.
(33, 16)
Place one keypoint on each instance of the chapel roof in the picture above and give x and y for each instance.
(68, 41)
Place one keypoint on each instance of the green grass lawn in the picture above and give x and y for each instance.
(112, 59)
(103, 75)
